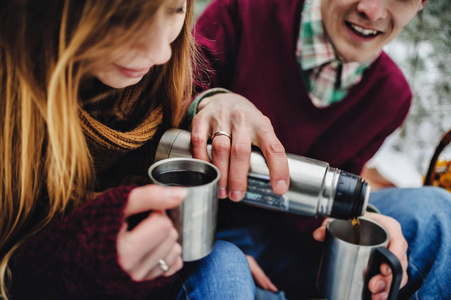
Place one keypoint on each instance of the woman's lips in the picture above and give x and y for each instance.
(133, 73)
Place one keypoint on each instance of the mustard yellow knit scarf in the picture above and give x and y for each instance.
(107, 144)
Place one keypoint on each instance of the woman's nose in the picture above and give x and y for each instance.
(160, 52)
(157, 44)
(373, 10)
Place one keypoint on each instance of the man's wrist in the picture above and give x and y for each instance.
(193, 107)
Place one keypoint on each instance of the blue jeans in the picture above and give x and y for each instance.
(291, 258)
(223, 274)
(288, 257)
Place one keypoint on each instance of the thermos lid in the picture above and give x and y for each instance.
(351, 196)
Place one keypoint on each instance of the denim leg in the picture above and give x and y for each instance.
(288, 257)
(223, 274)
(425, 217)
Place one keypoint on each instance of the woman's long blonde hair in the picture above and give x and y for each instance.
(46, 49)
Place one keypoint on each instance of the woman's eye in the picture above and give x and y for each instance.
(180, 10)
(178, 7)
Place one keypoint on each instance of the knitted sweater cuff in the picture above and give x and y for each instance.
(192, 109)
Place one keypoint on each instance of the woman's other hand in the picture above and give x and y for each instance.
(140, 249)
(247, 126)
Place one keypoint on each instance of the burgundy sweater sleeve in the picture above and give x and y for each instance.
(75, 257)
(218, 34)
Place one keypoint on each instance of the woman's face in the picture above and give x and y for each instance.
(153, 47)
(359, 29)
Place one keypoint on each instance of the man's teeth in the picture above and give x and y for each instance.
(369, 32)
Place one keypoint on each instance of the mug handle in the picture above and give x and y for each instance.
(383, 255)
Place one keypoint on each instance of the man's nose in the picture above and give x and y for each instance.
(373, 10)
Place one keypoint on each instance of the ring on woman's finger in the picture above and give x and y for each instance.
(163, 265)
(220, 132)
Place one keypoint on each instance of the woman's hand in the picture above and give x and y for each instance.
(154, 238)
(379, 285)
(247, 126)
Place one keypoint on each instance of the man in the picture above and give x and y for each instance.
(316, 69)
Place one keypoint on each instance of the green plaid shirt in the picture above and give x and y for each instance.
(327, 78)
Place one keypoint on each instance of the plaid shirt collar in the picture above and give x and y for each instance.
(326, 77)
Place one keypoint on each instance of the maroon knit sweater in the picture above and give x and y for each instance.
(76, 258)
(250, 45)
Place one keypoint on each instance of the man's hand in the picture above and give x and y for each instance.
(247, 126)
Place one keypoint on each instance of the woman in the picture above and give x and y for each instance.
(86, 86)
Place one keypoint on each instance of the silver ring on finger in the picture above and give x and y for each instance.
(163, 265)
(220, 132)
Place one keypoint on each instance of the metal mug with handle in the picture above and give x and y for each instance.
(346, 267)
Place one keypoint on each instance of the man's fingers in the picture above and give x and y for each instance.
(397, 245)
(276, 159)
(220, 155)
(379, 287)
(199, 138)
(320, 233)
(260, 276)
(240, 155)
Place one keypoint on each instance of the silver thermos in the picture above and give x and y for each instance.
(315, 187)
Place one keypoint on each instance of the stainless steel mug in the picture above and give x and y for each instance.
(347, 267)
(315, 187)
(195, 219)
